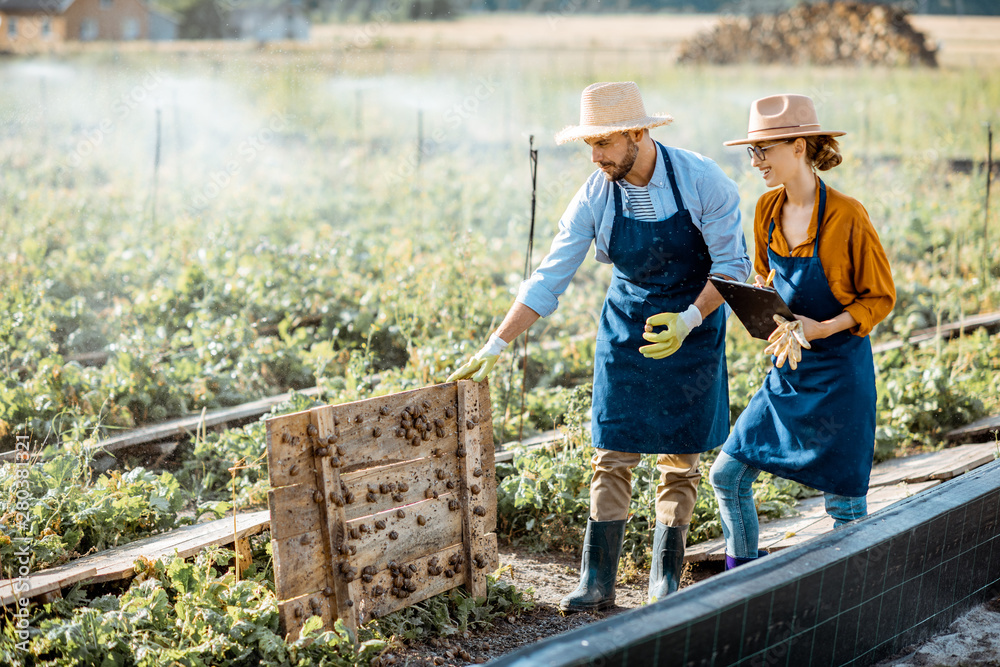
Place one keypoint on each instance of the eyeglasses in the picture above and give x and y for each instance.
(759, 152)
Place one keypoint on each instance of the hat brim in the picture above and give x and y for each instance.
(576, 132)
(785, 135)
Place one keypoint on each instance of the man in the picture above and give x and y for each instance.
(666, 219)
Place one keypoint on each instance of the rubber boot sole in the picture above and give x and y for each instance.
(598, 606)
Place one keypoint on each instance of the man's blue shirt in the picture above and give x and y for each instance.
(710, 196)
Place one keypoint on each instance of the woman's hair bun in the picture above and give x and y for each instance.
(823, 152)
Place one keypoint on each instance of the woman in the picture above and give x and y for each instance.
(814, 424)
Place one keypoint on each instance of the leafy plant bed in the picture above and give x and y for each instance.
(195, 612)
(198, 612)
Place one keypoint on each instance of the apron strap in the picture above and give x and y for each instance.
(673, 181)
(820, 214)
(618, 201)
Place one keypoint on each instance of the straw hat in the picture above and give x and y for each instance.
(783, 117)
(606, 108)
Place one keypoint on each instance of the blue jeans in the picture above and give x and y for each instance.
(733, 481)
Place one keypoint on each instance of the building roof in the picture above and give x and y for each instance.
(34, 6)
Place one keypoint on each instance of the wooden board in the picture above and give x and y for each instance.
(185, 427)
(810, 521)
(360, 489)
(944, 464)
(505, 452)
(987, 428)
(988, 321)
(115, 564)
(890, 481)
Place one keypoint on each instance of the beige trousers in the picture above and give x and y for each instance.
(611, 486)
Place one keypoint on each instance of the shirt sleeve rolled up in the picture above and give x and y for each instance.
(542, 290)
(721, 224)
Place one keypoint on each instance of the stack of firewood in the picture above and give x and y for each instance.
(837, 33)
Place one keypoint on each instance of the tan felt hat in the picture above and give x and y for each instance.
(606, 108)
(783, 117)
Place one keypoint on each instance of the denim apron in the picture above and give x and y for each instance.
(816, 424)
(676, 405)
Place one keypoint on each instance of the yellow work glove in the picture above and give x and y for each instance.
(667, 342)
(787, 341)
(482, 362)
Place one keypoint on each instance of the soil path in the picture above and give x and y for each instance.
(551, 576)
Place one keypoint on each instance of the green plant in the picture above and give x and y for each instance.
(195, 612)
(454, 612)
(927, 391)
(68, 513)
(190, 613)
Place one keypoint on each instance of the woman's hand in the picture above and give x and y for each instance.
(761, 281)
(786, 342)
(812, 329)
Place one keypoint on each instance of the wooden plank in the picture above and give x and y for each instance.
(981, 429)
(472, 495)
(884, 496)
(293, 511)
(877, 499)
(435, 573)
(185, 427)
(505, 452)
(246, 525)
(383, 488)
(298, 610)
(970, 459)
(918, 468)
(487, 463)
(988, 321)
(382, 595)
(811, 521)
(714, 549)
(290, 450)
(796, 536)
(300, 565)
(373, 432)
(943, 464)
(807, 512)
(41, 583)
(441, 523)
(334, 525)
(117, 563)
(303, 558)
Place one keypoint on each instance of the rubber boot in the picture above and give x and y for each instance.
(668, 560)
(733, 561)
(602, 546)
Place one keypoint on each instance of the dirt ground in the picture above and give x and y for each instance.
(552, 576)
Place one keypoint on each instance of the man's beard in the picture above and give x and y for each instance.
(620, 171)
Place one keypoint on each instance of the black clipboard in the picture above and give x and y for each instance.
(754, 306)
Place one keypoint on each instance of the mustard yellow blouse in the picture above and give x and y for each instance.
(854, 261)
